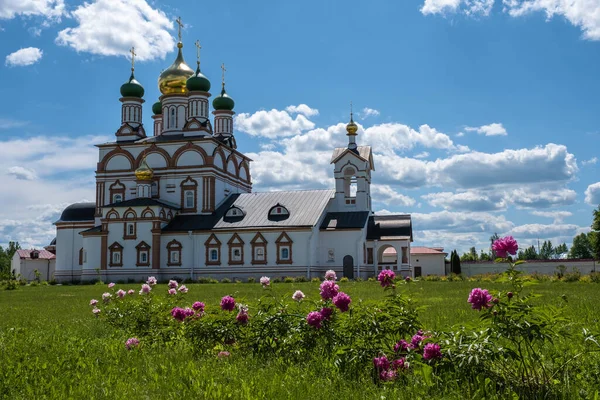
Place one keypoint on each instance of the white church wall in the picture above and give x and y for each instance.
(68, 243)
(343, 243)
(118, 162)
(431, 264)
(92, 246)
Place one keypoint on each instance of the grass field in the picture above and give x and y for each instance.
(51, 346)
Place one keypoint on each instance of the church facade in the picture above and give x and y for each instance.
(178, 203)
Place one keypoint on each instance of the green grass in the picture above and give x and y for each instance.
(51, 346)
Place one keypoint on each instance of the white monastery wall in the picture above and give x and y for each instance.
(547, 267)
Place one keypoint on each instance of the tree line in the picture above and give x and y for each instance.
(6, 255)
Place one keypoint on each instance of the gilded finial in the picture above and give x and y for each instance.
(223, 75)
(180, 25)
(132, 51)
(198, 47)
(351, 128)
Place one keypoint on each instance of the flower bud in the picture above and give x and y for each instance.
(509, 295)
(495, 300)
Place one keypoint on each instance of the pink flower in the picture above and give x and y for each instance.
(106, 297)
(151, 281)
(265, 281)
(172, 291)
(479, 298)
(188, 312)
(145, 288)
(432, 351)
(298, 295)
(131, 291)
(131, 343)
(416, 340)
(505, 246)
(342, 301)
(93, 302)
(242, 316)
(407, 279)
(227, 303)
(173, 284)
(183, 289)
(330, 275)
(326, 312)
(121, 293)
(329, 290)
(402, 345)
(179, 313)
(111, 285)
(386, 277)
(381, 363)
(399, 364)
(388, 375)
(314, 319)
(96, 311)
(223, 354)
(198, 306)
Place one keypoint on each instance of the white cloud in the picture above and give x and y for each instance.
(584, 14)
(591, 161)
(460, 134)
(24, 57)
(592, 194)
(532, 197)
(387, 195)
(467, 201)
(468, 7)
(49, 9)
(391, 137)
(531, 231)
(302, 109)
(494, 129)
(369, 112)
(481, 222)
(272, 124)
(137, 24)
(423, 154)
(557, 216)
(6, 123)
(22, 173)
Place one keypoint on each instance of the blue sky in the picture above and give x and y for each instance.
(483, 114)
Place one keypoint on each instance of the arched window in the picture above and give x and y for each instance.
(189, 199)
(172, 119)
(350, 185)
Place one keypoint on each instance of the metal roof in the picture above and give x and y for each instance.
(389, 227)
(364, 152)
(42, 254)
(78, 212)
(345, 220)
(142, 202)
(305, 208)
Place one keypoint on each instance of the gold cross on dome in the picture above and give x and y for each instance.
(351, 113)
(198, 47)
(223, 73)
(178, 21)
(132, 51)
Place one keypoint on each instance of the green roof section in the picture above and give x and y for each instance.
(132, 88)
(198, 82)
(223, 101)
(157, 108)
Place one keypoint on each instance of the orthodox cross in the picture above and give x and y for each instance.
(132, 51)
(351, 113)
(178, 21)
(198, 47)
(223, 74)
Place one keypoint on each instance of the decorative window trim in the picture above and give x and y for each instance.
(114, 249)
(213, 243)
(370, 255)
(259, 241)
(284, 242)
(234, 214)
(126, 231)
(174, 246)
(81, 256)
(236, 243)
(141, 248)
(116, 188)
(189, 184)
(278, 213)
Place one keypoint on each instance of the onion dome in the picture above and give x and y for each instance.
(144, 172)
(173, 79)
(351, 128)
(198, 82)
(223, 101)
(132, 88)
(157, 108)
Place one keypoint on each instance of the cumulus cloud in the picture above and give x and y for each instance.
(6, 123)
(138, 24)
(461, 222)
(302, 109)
(369, 112)
(466, 201)
(423, 154)
(24, 57)
(591, 161)
(272, 124)
(541, 198)
(22, 173)
(468, 7)
(48, 9)
(387, 195)
(531, 231)
(494, 129)
(592, 194)
(391, 137)
(557, 216)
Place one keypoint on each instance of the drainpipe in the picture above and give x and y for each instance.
(190, 235)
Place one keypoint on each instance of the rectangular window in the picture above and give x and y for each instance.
(143, 257)
(174, 256)
(130, 229)
(418, 272)
(284, 253)
(236, 254)
(116, 258)
(259, 254)
(214, 255)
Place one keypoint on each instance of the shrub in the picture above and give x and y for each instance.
(238, 281)
(572, 276)
(225, 280)
(188, 281)
(53, 281)
(432, 278)
(560, 271)
(288, 279)
(316, 279)
(344, 279)
(371, 279)
(11, 284)
(358, 279)
(276, 280)
(301, 279)
(205, 280)
(251, 279)
(595, 277)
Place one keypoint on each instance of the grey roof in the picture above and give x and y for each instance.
(142, 202)
(94, 229)
(363, 151)
(389, 227)
(305, 208)
(78, 212)
(345, 220)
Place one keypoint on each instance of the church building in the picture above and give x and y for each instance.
(178, 203)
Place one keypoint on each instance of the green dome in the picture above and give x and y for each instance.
(198, 82)
(157, 108)
(132, 88)
(223, 102)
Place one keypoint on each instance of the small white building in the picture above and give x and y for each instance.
(25, 262)
(424, 260)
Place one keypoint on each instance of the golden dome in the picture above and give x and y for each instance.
(351, 128)
(144, 172)
(173, 79)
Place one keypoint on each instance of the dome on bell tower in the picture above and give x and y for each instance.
(173, 79)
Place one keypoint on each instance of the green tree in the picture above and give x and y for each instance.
(581, 248)
(484, 256)
(530, 253)
(6, 256)
(561, 249)
(473, 254)
(547, 250)
(455, 263)
(595, 234)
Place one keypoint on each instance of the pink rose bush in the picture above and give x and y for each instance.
(328, 290)
(198, 306)
(505, 246)
(131, 291)
(93, 302)
(242, 316)
(342, 301)
(480, 298)
(298, 295)
(111, 285)
(172, 291)
(265, 281)
(314, 319)
(145, 289)
(121, 293)
(386, 278)
(132, 343)
(227, 303)
(173, 284)
(330, 275)
(151, 281)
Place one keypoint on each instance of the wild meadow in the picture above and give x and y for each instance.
(387, 339)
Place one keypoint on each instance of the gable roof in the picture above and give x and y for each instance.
(305, 208)
(344, 220)
(362, 152)
(25, 254)
(389, 227)
(427, 250)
